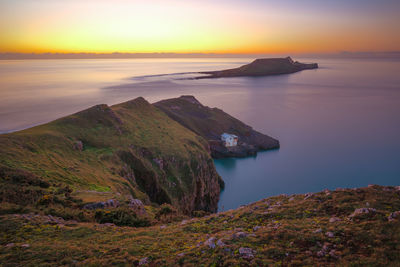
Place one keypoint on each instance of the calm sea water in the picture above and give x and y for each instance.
(339, 125)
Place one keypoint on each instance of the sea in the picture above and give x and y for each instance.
(338, 125)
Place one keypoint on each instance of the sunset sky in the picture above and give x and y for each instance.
(218, 26)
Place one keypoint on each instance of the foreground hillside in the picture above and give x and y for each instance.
(357, 227)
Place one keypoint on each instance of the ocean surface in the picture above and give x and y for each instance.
(339, 125)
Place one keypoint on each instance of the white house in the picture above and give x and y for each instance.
(229, 139)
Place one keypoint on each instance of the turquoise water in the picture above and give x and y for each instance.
(339, 125)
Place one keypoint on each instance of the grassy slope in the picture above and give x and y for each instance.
(135, 126)
(286, 235)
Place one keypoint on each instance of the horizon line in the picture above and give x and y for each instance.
(111, 55)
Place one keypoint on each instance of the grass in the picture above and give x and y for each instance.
(284, 235)
(135, 129)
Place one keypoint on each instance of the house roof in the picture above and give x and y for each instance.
(226, 135)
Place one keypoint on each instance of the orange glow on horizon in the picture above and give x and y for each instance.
(172, 26)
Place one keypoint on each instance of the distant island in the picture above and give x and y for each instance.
(262, 67)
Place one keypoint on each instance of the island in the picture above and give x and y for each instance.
(262, 67)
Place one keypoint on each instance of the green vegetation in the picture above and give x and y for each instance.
(127, 150)
(321, 229)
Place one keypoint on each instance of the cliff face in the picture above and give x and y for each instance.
(210, 123)
(263, 67)
(130, 150)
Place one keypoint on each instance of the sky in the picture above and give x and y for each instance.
(203, 26)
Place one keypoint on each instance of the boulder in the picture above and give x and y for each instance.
(210, 242)
(246, 253)
(362, 211)
(334, 219)
(394, 216)
(78, 145)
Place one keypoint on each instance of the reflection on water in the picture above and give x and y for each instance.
(338, 125)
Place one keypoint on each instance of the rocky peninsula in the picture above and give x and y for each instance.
(262, 67)
(210, 123)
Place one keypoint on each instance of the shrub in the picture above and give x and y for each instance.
(120, 217)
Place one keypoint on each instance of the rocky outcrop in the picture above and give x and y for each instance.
(262, 67)
(210, 123)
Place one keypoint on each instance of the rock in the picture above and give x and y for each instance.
(394, 216)
(329, 234)
(144, 261)
(184, 222)
(220, 243)
(163, 226)
(291, 199)
(334, 219)
(246, 253)
(362, 211)
(308, 195)
(239, 235)
(181, 254)
(78, 145)
(137, 206)
(10, 245)
(210, 242)
(25, 245)
(255, 228)
(318, 231)
(321, 253)
(332, 253)
(111, 203)
(109, 224)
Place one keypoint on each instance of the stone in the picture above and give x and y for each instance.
(255, 228)
(25, 245)
(10, 245)
(144, 261)
(210, 242)
(291, 199)
(332, 253)
(321, 253)
(317, 231)
(246, 253)
(78, 145)
(239, 235)
(329, 234)
(137, 206)
(308, 195)
(334, 219)
(163, 226)
(181, 254)
(394, 216)
(220, 243)
(362, 211)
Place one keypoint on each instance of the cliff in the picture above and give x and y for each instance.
(344, 227)
(123, 152)
(210, 123)
(262, 67)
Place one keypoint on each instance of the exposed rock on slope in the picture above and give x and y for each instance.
(210, 123)
(117, 150)
(262, 67)
(283, 230)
